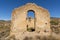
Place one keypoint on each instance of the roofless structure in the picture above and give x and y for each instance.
(23, 26)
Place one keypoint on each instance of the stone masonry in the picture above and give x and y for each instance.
(30, 27)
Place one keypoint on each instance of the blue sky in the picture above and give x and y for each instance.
(6, 7)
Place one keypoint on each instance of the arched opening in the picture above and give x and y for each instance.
(31, 14)
(30, 17)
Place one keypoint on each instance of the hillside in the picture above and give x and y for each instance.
(7, 23)
(55, 19)
(5, 27)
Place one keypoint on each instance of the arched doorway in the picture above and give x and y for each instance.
(31, 13)
(31, 18)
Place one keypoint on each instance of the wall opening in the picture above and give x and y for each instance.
(30, 29)
(30, 17)
(31, 14)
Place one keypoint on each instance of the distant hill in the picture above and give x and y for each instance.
(5, 23)
(2, 22)
(55, 21)
(55, 18)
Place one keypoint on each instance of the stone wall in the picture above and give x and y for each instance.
(40, 24)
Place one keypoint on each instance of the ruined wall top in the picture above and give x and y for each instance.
(30, 6)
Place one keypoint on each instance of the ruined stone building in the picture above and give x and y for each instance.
(23, 26)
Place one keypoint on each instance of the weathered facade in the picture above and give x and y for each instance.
(23, 26)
